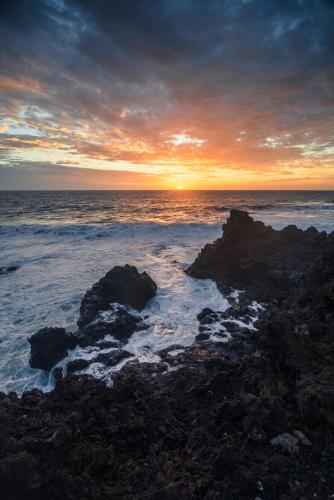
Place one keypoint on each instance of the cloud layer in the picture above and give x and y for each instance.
(213, 94)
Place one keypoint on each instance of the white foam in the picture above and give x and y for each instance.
(58, 266)
(59, 262)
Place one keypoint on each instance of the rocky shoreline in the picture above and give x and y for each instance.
(251, 417)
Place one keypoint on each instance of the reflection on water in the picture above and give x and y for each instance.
(93, 207)
(65, 241)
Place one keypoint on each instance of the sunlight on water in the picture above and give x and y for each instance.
(64, 242)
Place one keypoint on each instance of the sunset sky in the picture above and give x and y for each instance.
(159, 94)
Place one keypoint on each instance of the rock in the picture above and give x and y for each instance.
(198, 423)
(109, 344)
(121, 328)
(122, 285)
(112, 358)
(77, 365)
(302, 330)
(256, 258)
(232, 327)
(58, 373)
(205, 312)
(49, 346)
(287, 442)
(202, 336)
(9, 269)
(302, 438)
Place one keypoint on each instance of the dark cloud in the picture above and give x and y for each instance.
(116, 79)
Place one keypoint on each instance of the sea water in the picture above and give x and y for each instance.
(65, 241)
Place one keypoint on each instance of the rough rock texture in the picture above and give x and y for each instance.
(255, 257)
(77, 365)
(121, 328)
(49, 346)
(210, 426)
(110, 358)
(124, 285)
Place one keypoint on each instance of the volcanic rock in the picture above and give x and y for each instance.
(112, 358)
(265, 262)
(209, 421)
(77, 365)
(122, 285)
(121, 327)
(49, 346)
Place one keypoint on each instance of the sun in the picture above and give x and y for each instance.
(179, 188)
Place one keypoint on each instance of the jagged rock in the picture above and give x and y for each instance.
(123, 285)
(287, 442)
(107, 344)
(198, 423)
(121, 328)
(204, 313)
(49, 346)
(112, 358)
(202, 336)
(58, 373)
(252, 256)
(302, 438)
(77, 365)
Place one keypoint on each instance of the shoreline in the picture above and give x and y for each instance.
(248, 418)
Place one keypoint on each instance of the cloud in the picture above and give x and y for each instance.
(117, 81)
(39, 175)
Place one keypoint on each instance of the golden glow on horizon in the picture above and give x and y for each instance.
(176, 158)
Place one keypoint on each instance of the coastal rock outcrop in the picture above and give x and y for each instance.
(49, 346)
(121, 326)
(123, 285)
(265, 262)
(201, 423)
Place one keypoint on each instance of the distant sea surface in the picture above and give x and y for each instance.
(64, 241)
(162, 207)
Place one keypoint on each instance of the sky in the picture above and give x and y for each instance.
(167, 94)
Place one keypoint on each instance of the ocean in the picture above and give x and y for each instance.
(64, 241)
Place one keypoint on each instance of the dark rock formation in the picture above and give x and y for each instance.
(121, 328)
(9, 269)
(112, 358)
(49, 346)
(57, 373)
(208, 422)
(77, 365)
(255, 257)
(260, 426)
(124, 285)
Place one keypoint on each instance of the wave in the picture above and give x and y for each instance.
(262, 207)
(294, 206)
(221, 209)
(105, 230)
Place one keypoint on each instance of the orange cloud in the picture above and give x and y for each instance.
(18, 85)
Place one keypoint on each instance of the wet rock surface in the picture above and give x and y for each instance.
(123, 285)
(121, 327)
(201, 423)
(49, 346)
(254, 257)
